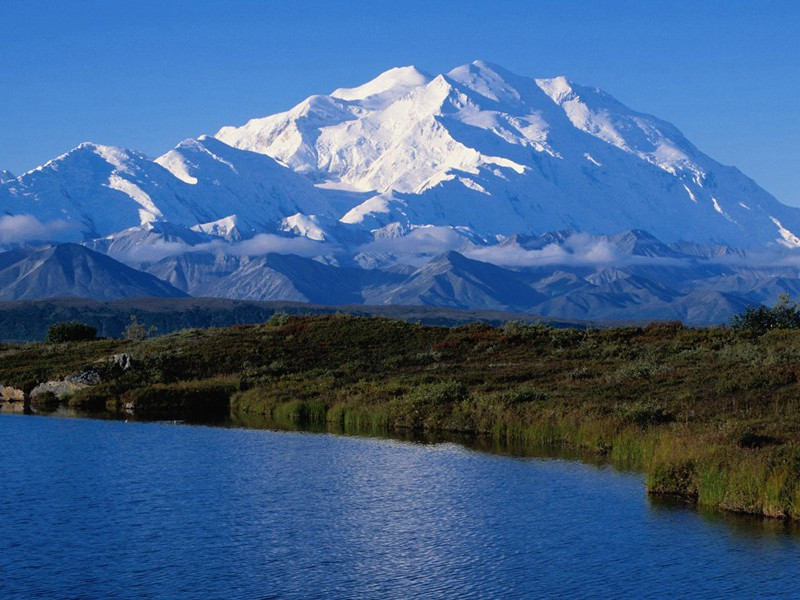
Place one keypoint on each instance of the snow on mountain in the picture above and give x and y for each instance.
(478, 148)
(226, 228)
(101, 190)
(6, 175)
(97, 189)
(387, 86)
(150, 242)
(483, 148)
(227, 181)
(473, 188)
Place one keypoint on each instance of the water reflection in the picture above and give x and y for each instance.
(750, 526)
(742, 523)
(114, 509)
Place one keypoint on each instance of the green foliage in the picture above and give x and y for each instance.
(645, 414)
(186, 399)
(136, 331)
(70, 331)
(526, 328)
(673, 477)
(438, 393)
(758, 320)
(278, 319)
(525, 394)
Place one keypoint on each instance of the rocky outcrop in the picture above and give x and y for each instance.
(64, 388)
(12, 400)
(123, 361)
(11, 394)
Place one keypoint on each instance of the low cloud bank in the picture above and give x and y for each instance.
(578, 249)
(426, 240)
(19, 229)
(258, 245)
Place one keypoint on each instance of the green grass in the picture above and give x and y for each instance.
(709, 414)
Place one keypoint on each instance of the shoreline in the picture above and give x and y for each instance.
(707, 415)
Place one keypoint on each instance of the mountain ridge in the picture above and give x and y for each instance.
(475, 187)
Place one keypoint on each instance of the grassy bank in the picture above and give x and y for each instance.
(709, 414)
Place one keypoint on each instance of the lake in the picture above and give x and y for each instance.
(100, 509)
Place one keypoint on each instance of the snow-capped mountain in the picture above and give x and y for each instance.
(100, 190)
(499, 153)
(473, 188)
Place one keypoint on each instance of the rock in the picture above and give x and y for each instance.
(84, 377)
(62, 389)
(13, 407)
(59, 389)
(10, 394)
(123, 361)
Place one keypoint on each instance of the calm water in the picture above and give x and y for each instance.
(104, 509)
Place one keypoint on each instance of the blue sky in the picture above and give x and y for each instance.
(147, 74)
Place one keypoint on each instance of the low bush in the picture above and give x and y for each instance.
(70, 331)
(645, 414)
(186, 399)
(278, 319)
(525, 394)
(758, 320)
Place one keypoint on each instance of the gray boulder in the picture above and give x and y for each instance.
(66, 387)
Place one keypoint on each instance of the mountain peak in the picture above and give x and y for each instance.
(488, 80)
(397, 79)
(478, 149)
(74, 270)
(115, 156)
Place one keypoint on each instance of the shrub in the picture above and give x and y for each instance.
(645, 414)
(277, 319)
(194, 399)
(439, 393)
(525, 328)
(136, 331)
(46, 401)
(524, 394)
(663, 327)
(750, 439)
(758, 320)
(673, 477)
(70, 331)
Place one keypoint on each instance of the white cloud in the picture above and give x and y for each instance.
(264, 243)
(15, 229)
(425, 240)
(258, 245)
(578, 249)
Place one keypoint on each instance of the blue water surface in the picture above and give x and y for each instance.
(108, 509)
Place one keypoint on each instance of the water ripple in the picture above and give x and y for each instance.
(105, 509)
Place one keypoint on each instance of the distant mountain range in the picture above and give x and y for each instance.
(477, 189)
(72, 270)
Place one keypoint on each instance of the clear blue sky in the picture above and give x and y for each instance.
(147, 74)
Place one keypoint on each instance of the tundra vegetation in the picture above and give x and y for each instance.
(712, 415)
(70, 331)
